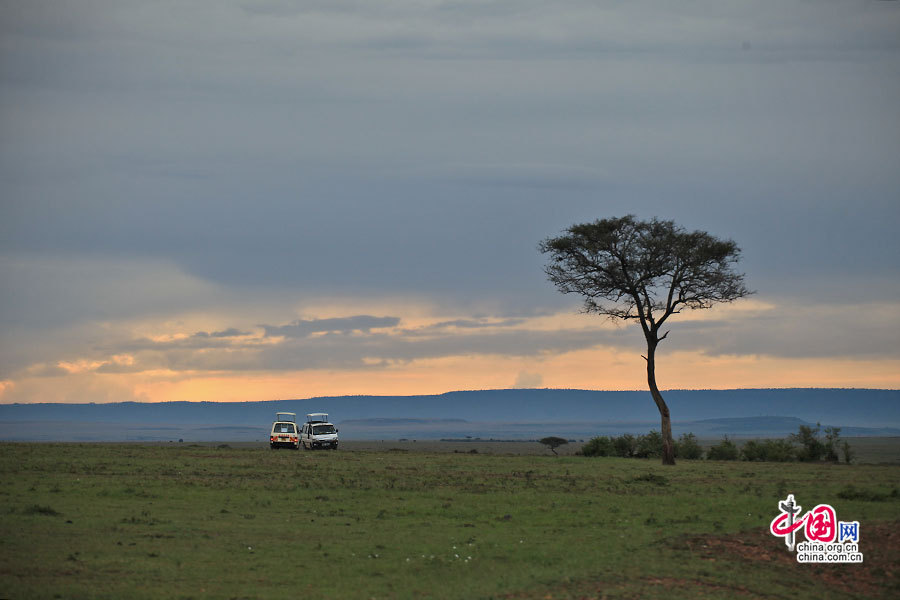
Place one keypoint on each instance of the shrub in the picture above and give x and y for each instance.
(649, 446)
(625, 445)
(808, 437)
(753, 450)
(653, 478)
(599, 446)
(724, 450)
(846, 452)
(36, 509)
(851, 493)
(688, 448)
(832, 443)
(769, 451)
(780, 451)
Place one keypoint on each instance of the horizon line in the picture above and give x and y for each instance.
(461, 391)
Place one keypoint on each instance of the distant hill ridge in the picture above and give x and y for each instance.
(848, 407)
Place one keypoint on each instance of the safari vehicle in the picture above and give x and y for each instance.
(317, 432)
(284, 431)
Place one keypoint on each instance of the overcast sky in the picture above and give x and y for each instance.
(272, 199)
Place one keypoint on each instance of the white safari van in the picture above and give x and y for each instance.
(317, 432)
(284, 431)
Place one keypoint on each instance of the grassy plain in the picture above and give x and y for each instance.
(189, 521)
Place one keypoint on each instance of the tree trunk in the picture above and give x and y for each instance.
(668, 454)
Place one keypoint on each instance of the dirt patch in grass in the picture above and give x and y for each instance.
(36, 509)
(636, 588)
(754, 552)
(877, 576)
(699, 587)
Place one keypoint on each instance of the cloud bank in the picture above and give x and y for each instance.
(353, 193)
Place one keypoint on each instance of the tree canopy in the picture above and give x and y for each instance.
(647, 271)
(644, 270)
(553, 442)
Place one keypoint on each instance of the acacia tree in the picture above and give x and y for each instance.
(553, 442)
(646, 271)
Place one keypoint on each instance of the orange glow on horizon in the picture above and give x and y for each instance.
(146, 375)
(597, 369)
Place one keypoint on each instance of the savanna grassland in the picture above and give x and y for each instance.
(186, 521)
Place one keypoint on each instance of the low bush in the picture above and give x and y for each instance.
(851, 493)
(625, 445)
(811, 448)
(649, 446)
(36, 509)
(832, 443)
(688, 448)
(724, 450)
(846, 452)
(599, 446)
(769, 451)
(653, 478)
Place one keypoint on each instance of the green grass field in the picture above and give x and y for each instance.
(184, 521)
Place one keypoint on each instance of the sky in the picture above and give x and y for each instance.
(268, 199)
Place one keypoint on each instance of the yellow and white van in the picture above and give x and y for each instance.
(284, 431)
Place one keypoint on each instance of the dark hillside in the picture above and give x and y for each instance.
(864, 408)
(488, 413)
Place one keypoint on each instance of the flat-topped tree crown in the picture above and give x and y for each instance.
(645, 270)
(626, 268)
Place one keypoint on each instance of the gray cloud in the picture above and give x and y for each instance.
(475, 323)
(856, 331)
(303, 328)
(227, 333)
(335, 348)
(241, 155)
(45, 370)
(361, 342)
(378, 350)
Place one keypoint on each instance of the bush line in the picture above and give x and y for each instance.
(804, 446)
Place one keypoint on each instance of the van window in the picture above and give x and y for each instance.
(321, 429)
(284, 428)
